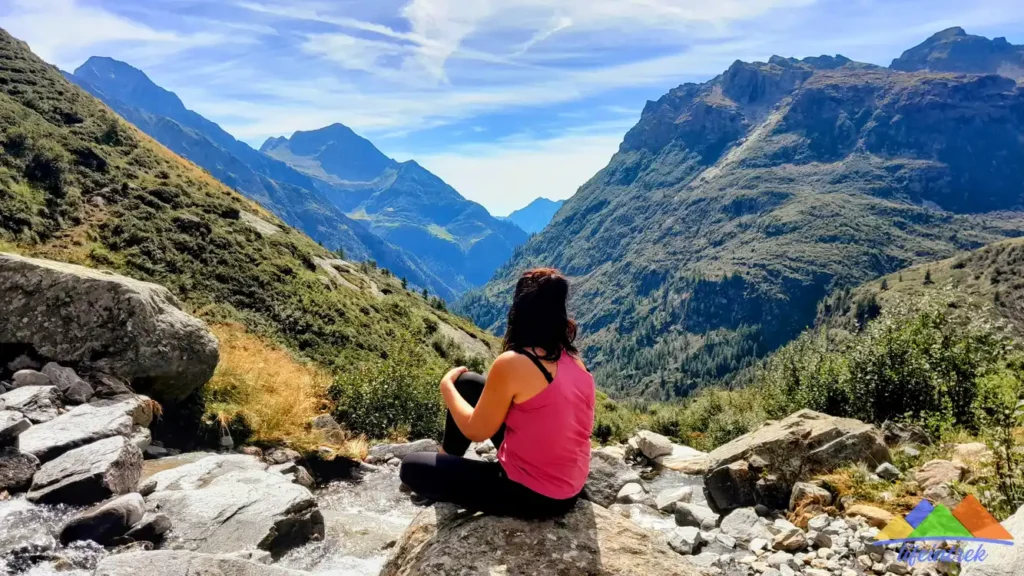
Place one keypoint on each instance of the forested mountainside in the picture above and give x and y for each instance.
(288, 193)
(954, 50)
(734, 206)
(990, 278)
(533, 217)
(79, 184)
(404, 203)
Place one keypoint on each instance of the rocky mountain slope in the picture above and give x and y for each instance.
(533, 217)
(288, 193)
(954, 50)
(735, 205)
(78, 184)
(403, 203)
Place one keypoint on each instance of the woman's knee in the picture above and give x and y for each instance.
(470, 385)
(417, 468)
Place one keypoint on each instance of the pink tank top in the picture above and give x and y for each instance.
(547, 438)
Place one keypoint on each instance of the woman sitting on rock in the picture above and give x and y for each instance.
(537, 407)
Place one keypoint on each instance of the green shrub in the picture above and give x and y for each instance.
(613, 422)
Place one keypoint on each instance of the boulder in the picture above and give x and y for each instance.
(103, 523)
(106, 323)
(588, 540)
(971, 454)
(607, 476)
(685, 540)
(666, 499)
(887, 471)
(281, 456)
(653, 445)
(695, 515)
(12, 424)
(74, 389)
(151, 528)
(938, 472)
(744, 525)
(875, 516)
(185, 563)
(89, 474)
(384, 452)
(790, 539)
(805, 493)
(86, 424)
(227, 503)
(30, 378)
(684, 459)
(896, 433)
(1002, 560)
(16, 469)
(789, 450)
(38, 403)
(631, 494)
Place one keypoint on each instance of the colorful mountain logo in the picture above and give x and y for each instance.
(968, 522)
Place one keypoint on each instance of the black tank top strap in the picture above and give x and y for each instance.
(537, 362)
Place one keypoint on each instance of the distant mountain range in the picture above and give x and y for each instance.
(403, 203)
(535, 216)
(314, 194)
(736, 205)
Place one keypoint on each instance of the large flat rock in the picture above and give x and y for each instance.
(105, 322)
(223, 504)
(589, 540)
(89, 474)
(183, 563)
(37, 403)
(86, 424)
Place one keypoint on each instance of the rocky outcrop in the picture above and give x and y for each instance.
(38, 403)
(107, 323)
(183, 563)
(89, 474)
(1002, 560)
(608, 475)
(72, 388)
(758, 467)
(86, 424)
(106, 522)
(588, 540)
(224, 504)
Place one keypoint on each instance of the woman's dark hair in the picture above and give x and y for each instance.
(538, 317)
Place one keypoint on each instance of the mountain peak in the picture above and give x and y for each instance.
(122, 81)
(334, 153)
(954, 50)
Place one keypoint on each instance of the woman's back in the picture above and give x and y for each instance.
(547, 437)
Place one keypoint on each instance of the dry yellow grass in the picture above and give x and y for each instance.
(277, 394)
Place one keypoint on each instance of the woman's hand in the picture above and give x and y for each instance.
(452, 375)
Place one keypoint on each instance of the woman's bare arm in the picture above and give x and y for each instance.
(482, 422)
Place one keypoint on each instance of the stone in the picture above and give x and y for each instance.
(757, 544)
(685, 460)
(887, 471)
(607, 476)
(780, 558)
(72, 388)
(822, 540)
(226, 503)
(942, 494)
(744, 525)
(791, 539)
(22, 362)
(485, 447)
(16, 469)
(281, 456)
(89, 474)
(971, 454)
(588, 540)
(37, 403)
(86, 424)
(801, 444)
(153, 452)
(653, 445)
(666, 499)
(874, 516)
(935, 472)
(141, 437)
(805, 493)
(12, 424)
(819, 523)
(705, 559)
(726, 540)
(685, 540)
(151, 528)
(30, 378)
(185, 563)
(896, 434)
(107, 323)
(297, 474)
(105, 522)
(617, 452)
(1002, 560)
(695, 515)
(631, 493)
(108, 386)
(384, 452)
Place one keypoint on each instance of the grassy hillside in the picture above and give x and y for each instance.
(734, 206)
(79, 184)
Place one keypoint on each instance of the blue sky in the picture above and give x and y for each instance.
(507, 100)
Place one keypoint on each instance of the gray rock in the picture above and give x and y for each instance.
(184, 563)
(695, 515)
(790, 539)
(666, 499)
(222, 504)
(38, 403)
(12, 424)
(72, 388)
(86, 424)
(806, 493)
(384, 452)
(685, 540)
(936, 472)
(896, 433)
(789, 450)
(887, 471)
(607, 476)
(107, 323)
(30, 378)
(153, 452)
(653, 445)
(105, 522)
(16, 469)
(589, 540)
(297, 474)
(151, 528)
(744, 525)
(108, 386)
(281, 456)
(631, 494)
(705, 559)
(89, 474)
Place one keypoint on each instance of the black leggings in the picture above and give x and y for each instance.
(470, 484)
